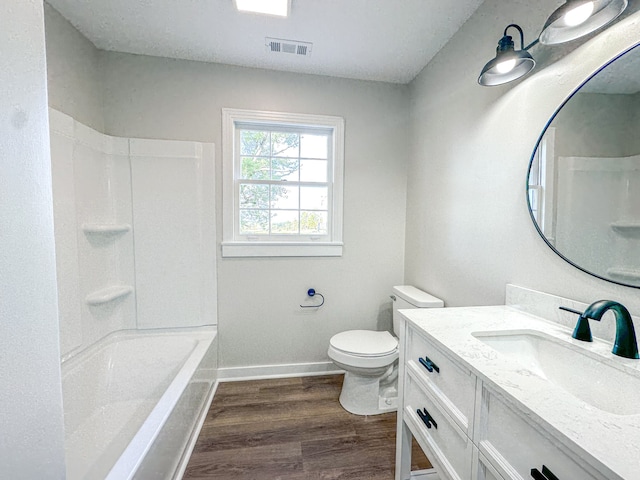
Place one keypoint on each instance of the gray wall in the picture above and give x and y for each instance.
(73, 71)
(468, 227)
(259, 320)
(31, 440)
(595, 124)
(468, 231)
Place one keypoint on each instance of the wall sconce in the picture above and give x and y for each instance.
(508, 63)
(572, 20)
(577, 18)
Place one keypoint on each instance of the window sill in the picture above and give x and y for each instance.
(281, 249)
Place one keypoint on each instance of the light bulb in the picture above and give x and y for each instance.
(579, 14)
(506, 66)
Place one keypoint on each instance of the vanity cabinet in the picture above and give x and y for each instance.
(482, 468)
(515, 445)
(433, 427)
(446, 380)
(467, 429)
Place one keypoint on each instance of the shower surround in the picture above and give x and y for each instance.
(135, 252)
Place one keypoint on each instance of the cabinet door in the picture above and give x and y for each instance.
(451, 384)
(445, 444)
(482, 468)
(514, 446)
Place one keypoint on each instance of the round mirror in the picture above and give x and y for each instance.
(583, 185)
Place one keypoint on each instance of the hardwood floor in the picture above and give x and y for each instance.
(292, 429)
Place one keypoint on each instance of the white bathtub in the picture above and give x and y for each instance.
(131, 398)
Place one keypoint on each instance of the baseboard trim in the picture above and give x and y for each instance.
(264, 372)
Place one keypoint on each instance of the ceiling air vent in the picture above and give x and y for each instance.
(288, 47)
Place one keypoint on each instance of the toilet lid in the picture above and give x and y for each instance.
(364, 342)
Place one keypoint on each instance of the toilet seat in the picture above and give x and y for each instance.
(364, 348)
(364, 343)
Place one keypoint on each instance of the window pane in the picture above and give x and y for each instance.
(313, 223)
(533, 198)
(284, 169)
(254, 222)
(314, 146)
(284, 198)
(255, 168)
(313, 170)
(254, 143)
(284, 221)
(285, 144)
(314, 198)
(254, 196)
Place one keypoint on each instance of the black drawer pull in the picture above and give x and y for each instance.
(536, 475)
(426, 418)
(429, 365)
(545, 475)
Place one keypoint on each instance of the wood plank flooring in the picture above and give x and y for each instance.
(293, 429)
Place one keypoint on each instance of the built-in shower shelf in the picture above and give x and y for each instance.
(624, 273)
(105, 228)
(626, 228)
(108, 294)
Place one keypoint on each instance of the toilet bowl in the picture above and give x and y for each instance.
(369, 358)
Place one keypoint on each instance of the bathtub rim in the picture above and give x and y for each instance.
(135, 452)
(69, 360)
(137, 448)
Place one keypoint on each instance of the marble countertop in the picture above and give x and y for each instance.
(611, 441)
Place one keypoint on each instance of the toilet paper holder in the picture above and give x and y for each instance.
(312, 293)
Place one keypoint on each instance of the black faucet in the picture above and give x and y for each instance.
(625, 344)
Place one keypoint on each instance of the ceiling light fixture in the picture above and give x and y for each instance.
(509, 63)
(577, 18)
(572, 20)
(278, 8)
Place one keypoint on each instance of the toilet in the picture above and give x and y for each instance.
(370, 358)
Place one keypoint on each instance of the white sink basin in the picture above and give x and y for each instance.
(583, 374)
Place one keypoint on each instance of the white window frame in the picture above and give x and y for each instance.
(330, 245)
(544, 187)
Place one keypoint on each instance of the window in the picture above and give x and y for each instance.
(541, 185)
(282, 186)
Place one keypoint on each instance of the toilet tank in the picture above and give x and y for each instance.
(407, 296)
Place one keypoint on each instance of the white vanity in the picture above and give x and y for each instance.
(497, 393)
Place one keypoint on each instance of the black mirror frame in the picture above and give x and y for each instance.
(533, 155)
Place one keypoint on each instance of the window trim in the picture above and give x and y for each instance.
(263, 247)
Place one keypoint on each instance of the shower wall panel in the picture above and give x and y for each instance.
(173, 209)
(112, 193)
(92, 193)
(66, 228)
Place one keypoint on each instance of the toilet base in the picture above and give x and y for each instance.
(364, 395)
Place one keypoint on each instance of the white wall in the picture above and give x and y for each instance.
(31, 440)
(468, 227)
(260, 322)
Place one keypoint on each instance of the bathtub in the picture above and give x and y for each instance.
(132, 401)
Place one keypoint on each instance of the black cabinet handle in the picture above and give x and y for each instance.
(545, 475)
(428, 364)
(536, 475)
(426, 418)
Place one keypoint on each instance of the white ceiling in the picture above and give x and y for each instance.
(384, 40)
